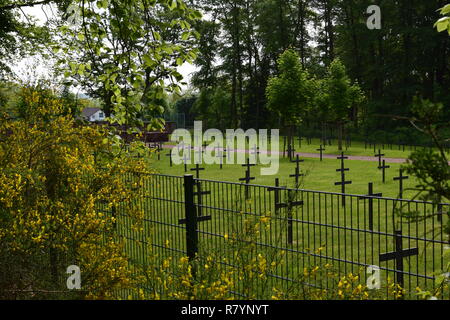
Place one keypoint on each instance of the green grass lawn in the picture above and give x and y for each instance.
(319, 175)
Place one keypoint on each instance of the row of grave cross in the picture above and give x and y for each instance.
(248, 178)
(382, 164)
(398, 255)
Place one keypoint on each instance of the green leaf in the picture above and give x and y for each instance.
(445, 10)
(442, 24)
(185, 36)
(173, 5)
(102, 4)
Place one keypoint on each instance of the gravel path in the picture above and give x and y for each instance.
(330, 156)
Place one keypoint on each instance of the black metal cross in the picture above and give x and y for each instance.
(342, 158)
(384, 167)
(400, 180)
(248, 178)
(379, 155)
(398, 255)
(291, 151)
(204, 146)
(297, 173)
(321, 149)
(185, 159)
(170, 158)
(199, 194)
(198, 153)
(370, 198)
(277, 193)
(255, 151)
(289, 206)
(220, 153)
(158, 150)
(343, 182)
(197, 170)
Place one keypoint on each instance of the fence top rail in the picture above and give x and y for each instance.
(304, 190)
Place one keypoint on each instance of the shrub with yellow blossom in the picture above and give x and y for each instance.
(54, 174)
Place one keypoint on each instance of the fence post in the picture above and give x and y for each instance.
(191, 217)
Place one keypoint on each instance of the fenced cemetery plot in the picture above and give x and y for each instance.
(189, 216)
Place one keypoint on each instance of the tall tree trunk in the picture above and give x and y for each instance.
(340, 135)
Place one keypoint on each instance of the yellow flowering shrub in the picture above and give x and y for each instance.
(54, 175)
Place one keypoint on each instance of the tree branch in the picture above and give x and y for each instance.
(25, 4)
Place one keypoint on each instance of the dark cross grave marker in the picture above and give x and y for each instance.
(158, 150)
(398, 255)
(321, 149)
(291, 151)
(199, 192)
(400, 180)
(185, 159)
(383, 168)
(289, 206)
(170, 158)
(379, 156)
(343, 182)
(204, 147)
(191, 218)
(255, 151)
(248, 178)
(276, 190)
(197, 170)
(198, 153)
(297, 173)
(220, 153)
(370, 199)
(186, 156)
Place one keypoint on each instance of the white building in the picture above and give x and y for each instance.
(93, 114)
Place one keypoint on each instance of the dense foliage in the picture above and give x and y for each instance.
(241, 42)
(53, 176)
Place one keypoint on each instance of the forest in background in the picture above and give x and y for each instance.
(235, 50)
(241, 41)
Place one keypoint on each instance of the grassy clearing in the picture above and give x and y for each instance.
(319, 175)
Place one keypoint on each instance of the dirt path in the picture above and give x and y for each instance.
(329, 156)
(357, 158)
